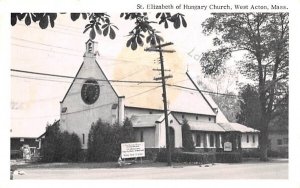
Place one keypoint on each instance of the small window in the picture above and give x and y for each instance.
(196, 117)
(198, 140)
(171, 121)
(83, 139)
(247, 138)
(182, 116)
(253, 138)
(279, 142)
(211, 140)
(150, 112)
(209, 118)
(142, 136)
(64, 110)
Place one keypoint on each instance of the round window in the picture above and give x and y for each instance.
(90, 91)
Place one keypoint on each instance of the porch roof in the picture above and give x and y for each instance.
(205, 126)
(145, 120)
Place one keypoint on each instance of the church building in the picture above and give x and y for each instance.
(97, 92)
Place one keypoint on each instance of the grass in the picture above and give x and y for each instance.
(90, 165)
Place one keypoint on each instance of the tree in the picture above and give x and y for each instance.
(263, 38)
(227, 101)
(50, 147)
(250, 113)
(99, 23)
(187, 140)
(60, 147)
(104, 141)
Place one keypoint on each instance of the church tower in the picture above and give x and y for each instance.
(89, 98)
(91, 49)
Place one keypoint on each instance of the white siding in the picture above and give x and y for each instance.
(250, 143)
(79, 115)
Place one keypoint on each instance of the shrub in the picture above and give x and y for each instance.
(232, 157)
(104, 141)
(60, 147)
(16, 154)
(187, 140)
(251, 153)
(180, 157)
(277, 154)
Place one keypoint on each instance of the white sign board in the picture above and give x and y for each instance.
(132, 150)
(227, 146)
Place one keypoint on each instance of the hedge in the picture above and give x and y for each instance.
(16, 154)
(203, 158)
(180, 157)
(232, 157)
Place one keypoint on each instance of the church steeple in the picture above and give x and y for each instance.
(91, 48)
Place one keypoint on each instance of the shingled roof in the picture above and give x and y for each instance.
(145, 95)
(145, 120)
(237, 127)
(205, 126)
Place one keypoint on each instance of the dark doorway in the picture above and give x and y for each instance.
(172, 137)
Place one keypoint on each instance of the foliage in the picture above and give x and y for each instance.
(71, 147)
(42, 18)
(99, 23)
(16, 154)
(104, 142)
(189, 157)
(250, 113)
(187, 140)
(251, 153)
(143, 27)
(228, 157)
(228, 103)
(278, 154)
(263, 38)
(58, 146)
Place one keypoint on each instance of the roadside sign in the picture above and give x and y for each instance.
(133, 150)
(227, 146)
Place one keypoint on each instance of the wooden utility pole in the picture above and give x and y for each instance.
(159, 49)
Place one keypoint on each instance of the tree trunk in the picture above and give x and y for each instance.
(264, 141)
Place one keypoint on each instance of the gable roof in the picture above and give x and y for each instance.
(221, 118)
(149, 95)
(76, 77)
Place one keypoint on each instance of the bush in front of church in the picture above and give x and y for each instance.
(104, 142)
(60, 146)
(187, 140)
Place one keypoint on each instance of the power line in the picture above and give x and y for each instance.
(117, 81)
(143, 92)
(204, 91)
(40, 43)
(55, 51)
(61, 81)
(56, 30)
(71, 77)
(44, 50)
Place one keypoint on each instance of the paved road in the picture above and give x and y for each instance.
(269, 170)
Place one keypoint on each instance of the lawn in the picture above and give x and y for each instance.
(89, 165)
